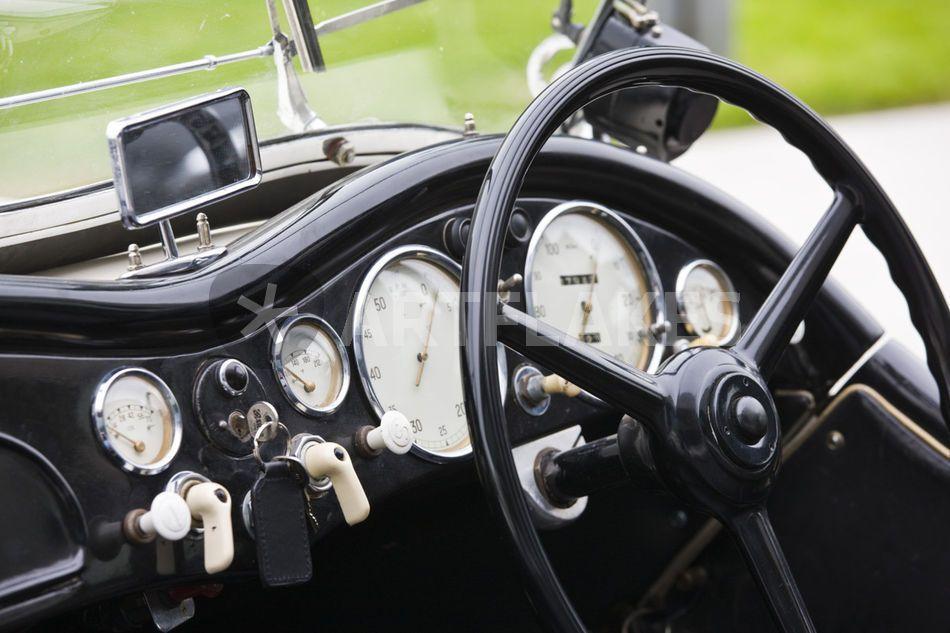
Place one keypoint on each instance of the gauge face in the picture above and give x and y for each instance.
(137, 420)
(407, 344)
(707, 302)
(589, 276)
(309, 364)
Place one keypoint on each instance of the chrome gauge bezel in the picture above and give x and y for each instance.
(443, 261)
(613, 219)
(278, 366)
(730, 289)
(99, 420)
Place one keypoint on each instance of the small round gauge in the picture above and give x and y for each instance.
(589, 275)
(707, 302)
(137, 420)
(310, 363)
(406, 340)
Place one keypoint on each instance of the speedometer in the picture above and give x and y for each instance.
(406, 340)
(589, 275)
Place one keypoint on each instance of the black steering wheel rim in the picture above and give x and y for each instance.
(857, 192)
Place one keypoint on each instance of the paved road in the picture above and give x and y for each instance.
(908, 150)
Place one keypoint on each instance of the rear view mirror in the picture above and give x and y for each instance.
(665, 120)
(184, 156)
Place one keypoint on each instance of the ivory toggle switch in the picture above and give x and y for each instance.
(330, 460)
(210, 504)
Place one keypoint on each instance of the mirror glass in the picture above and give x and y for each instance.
(178, 158)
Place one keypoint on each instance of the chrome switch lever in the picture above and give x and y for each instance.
(393, 433)
(328, 460)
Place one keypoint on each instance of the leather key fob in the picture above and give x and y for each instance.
(279, 507)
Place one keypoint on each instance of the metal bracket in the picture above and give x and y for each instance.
(545, 515)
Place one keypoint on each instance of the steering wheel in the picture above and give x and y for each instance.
(705, 424)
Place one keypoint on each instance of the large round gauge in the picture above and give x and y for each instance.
(137, 420)
(406, 340)
(589, 275)
(707, 303)
(310, 363)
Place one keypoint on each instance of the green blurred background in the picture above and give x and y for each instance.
(429, 63)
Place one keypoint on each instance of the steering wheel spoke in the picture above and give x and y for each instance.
(628, 389)
(766, 560)
(769, 332)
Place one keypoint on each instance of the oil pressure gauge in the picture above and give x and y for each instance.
(707, 303)
(137, 420)
(310, 363)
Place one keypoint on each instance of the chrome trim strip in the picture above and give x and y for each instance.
(208, 62)
(865, 357)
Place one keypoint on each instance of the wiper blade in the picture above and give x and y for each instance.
(364, 14)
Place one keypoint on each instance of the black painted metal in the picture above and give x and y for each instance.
(688, 455)
(616, 383)
(583, 470)
(769, 333)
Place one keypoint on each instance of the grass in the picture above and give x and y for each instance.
(843, 56)
(429, 63)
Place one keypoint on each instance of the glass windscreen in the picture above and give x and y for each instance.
(429, 63)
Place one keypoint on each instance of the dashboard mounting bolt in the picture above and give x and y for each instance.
(339, 150)
(135, 257)
(835, 440)
(204, 232)
(469, 130)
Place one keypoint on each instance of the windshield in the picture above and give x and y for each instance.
(428, 63)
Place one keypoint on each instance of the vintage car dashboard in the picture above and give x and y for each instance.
(110, 390)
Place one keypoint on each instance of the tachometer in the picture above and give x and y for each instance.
(589, 275)
(137, 420)
(707, 302)
(406, 340)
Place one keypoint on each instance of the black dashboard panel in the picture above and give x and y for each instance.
(314, 257)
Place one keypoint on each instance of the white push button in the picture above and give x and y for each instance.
(393, 433)
(168, 517)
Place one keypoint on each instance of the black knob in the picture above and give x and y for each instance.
(455, 236)
(519, 228)
(233, 377)
(750, 419)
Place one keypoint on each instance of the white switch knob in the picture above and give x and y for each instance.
(326, 459)
(210, 503)
(168, 517)
(393, 433)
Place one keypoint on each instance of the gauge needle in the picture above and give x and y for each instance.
(423, 356)
(587, 306)
(307, 385)
(138, 445)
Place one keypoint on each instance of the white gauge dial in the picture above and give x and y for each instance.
(407, 342)
(585, 278)
(138, 420)
(309, 363)
(707, 303)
